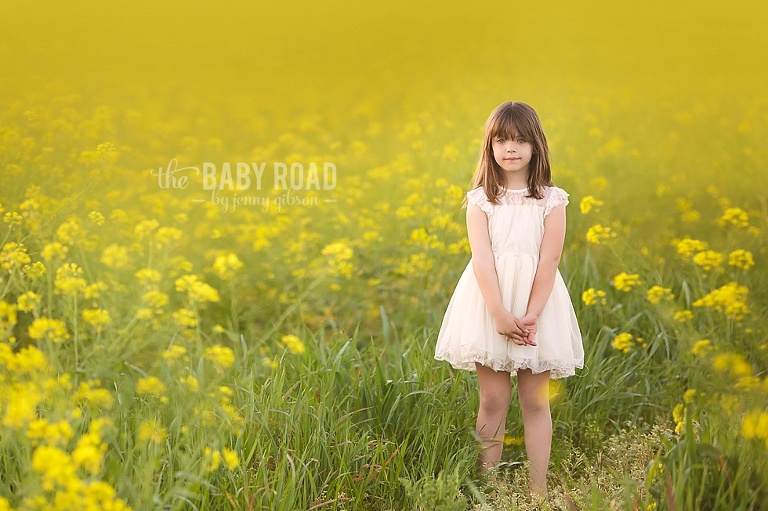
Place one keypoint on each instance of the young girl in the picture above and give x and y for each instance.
(510, 313)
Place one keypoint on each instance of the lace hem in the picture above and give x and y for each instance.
(557, 368)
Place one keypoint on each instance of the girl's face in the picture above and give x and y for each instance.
(513, 155)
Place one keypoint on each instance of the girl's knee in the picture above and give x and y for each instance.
(495, 400)
(533, 392)
(533, 402)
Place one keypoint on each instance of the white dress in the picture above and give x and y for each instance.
(468, 335)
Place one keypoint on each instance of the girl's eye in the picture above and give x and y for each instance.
(500, 140)
(521, 141)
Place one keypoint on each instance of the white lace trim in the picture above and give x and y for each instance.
(553, 197)
(557, 368)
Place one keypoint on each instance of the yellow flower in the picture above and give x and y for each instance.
(589, 202)
(155, 299)
(115, 256)
(701, 347)
(226, 265)
(683, 204)
(94, 290)
(339, 258)
(555, 391)
(755, 425)
(166, 234)
(151, 385)
(231, 459)
(197, 291)
(146, 227)
(8, 316)
(90, 394)
(658, 293)
(211, 459)
(220, 355)
(460, 247)
(734, 363)
(107, 152)
(597, 234)
(21, 405)
(174, 353)
(47, 328)
(54, 250)
(623, 342)
(741, 259)
(35, 270)
(421, 237)
(28, 301)
(729, 299)
(748, 383)
(97, 318)
(190, 382)
(185, 318)
(688, 396)
(405, 212)
(625, 282)
(56, 434)
(687, 247)
(69, 280)
(708, 259)
(12, 218)
(678, 415)
(179, 264)
(55, 466)
(513, 440)
(96, 217)
(152, 431)
(293, 343)
(147, 276)
(13, 255)
(690, 216)
(30, 360)
(70, 231)
(89, 453)
(734, 216)
(592, 296)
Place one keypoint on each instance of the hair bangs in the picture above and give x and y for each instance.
(507, 124)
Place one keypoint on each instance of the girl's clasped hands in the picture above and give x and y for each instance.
(521, 331)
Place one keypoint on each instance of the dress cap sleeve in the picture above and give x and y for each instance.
(555, 197)
(477, 197)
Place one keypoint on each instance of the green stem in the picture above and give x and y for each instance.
(77, 339)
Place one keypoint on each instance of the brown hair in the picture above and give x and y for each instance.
(509, 120)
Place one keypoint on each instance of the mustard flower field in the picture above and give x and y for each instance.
(218, 296)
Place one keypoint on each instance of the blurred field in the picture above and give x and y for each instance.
(160, 352)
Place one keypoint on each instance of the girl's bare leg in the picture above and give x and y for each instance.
(533, 391)
(495, 393)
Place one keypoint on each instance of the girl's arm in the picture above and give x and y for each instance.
(549, 257)
(484, 266)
